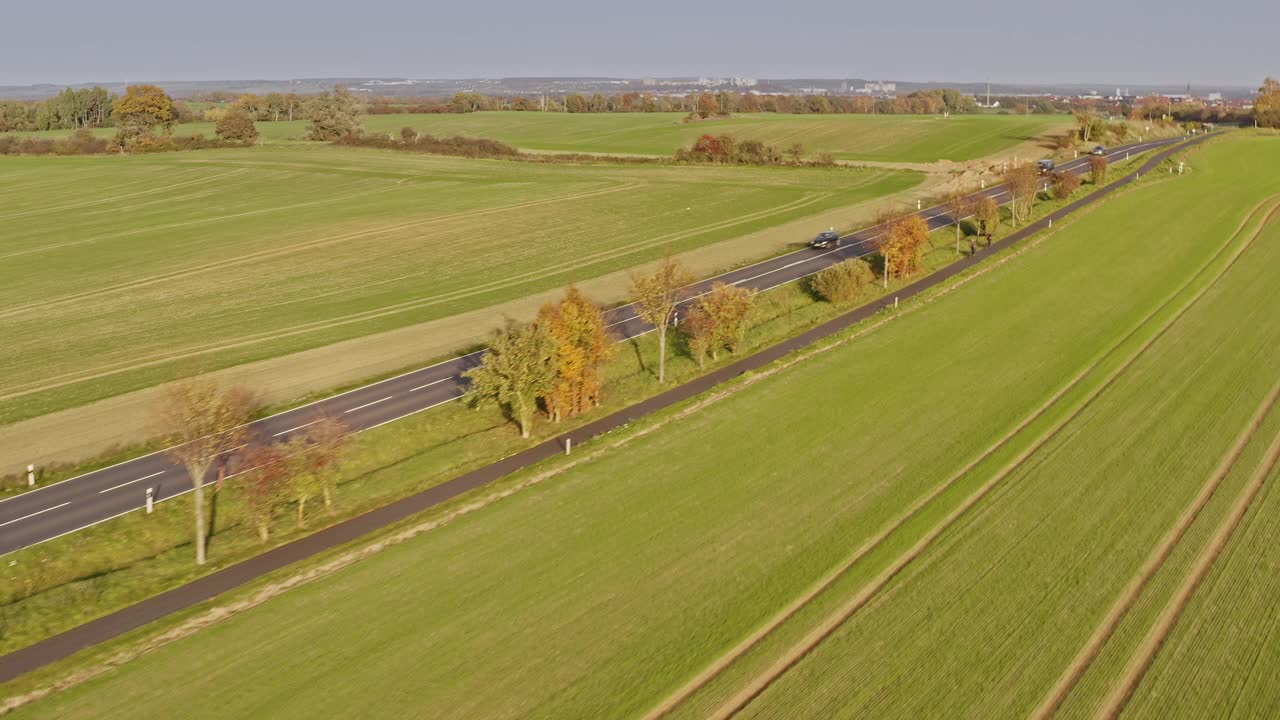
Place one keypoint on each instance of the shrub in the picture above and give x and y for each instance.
(718, 321)
(843, 282)
(1065, 184)
(457, 145)
(236, 124)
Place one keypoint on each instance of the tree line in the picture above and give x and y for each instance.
(1266, 107)
(553, 366)
(727, 149)
(207, 432)
(707, 104)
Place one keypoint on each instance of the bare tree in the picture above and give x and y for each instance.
(330, 438)
(264, 485)
(959, 206)
(656, 297)
(201, 423)
(304, 482)
(987, 212)
(1023, 183)
(1097, 169)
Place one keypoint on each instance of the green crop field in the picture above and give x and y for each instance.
(606, 589)
(902, 138)
(895, 138)
(125, 271)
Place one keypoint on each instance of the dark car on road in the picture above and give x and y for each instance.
(1099, 150)
(826, 239)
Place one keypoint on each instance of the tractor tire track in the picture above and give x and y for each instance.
(1160, 554)
(1142, 659)
(835, 620)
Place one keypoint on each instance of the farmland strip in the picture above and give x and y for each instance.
(65, 379)
(1141, 660)
(165, 188)
(833, 621)
(1071, 676)
(1155, 561)
(310, 244)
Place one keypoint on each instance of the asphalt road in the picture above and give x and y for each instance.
(201, 589)
(74, 504)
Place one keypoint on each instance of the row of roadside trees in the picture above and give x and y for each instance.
(554, 364)
(206, 429)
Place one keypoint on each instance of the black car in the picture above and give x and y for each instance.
(826, 239)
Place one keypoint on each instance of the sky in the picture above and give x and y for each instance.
(1111, 43)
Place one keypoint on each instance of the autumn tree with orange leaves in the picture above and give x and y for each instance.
(583, 347)
(718, 321)
(903, 246)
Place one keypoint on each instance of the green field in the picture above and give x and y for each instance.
(895, 138)
(602, 591)
(122, 272)
(902, 138)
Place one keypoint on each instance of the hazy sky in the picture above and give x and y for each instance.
(1105, 43)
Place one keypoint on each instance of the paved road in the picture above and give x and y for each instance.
(77, 503)
(154, 608)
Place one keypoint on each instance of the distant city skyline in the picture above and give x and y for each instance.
(927, 41)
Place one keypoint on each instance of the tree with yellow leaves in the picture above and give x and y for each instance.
(582, 347)
(719, 321)
(903, 246)
(141, 110)
(1266, 108)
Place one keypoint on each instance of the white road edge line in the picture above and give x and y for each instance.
(1140, 148)
(361, 407)
(286, 432)
(38, 512)
(117, 487)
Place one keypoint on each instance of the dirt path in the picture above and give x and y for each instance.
(1160, 554)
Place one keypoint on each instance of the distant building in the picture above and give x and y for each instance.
(649, 82)
(743, 82)
(881, 88)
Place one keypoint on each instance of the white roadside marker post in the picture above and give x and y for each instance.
(31, 476)
(568, 444)
(151, 500)
(917, 203)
